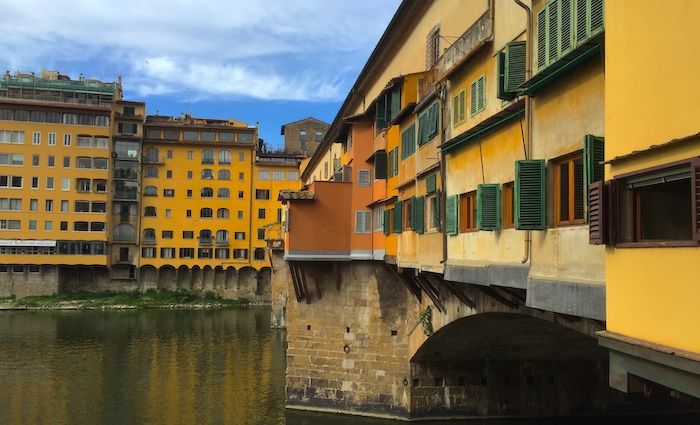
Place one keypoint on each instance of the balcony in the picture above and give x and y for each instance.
(476, 36)
(221, 242)
(122, 174)
(126, 195)
(148, 241)
(205, 242)
(150, 159)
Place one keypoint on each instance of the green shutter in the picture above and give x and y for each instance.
(436, 210)
(488, 207)
(408, 141)
(581, 20)
(593, 156)
(451, 215)
(395, 102)
(455, 109)
(380, 165)
(542, 38)
(515, 65)
(412, 211)
(380, 114)
(501, 91)
(553, 31)
(431, 183)
(530, 195)
(566, 26)
(387, 222)
(597, 16)
(472, 101)
(481, 93)
(419, 216)
(396, 161)
(433, 116)
(398, 217)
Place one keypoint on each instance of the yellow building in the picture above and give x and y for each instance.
(649, 216)
(54, 186)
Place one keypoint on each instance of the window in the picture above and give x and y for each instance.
(33, 205)
(206, 192)
(240, 214)
(292, 175)
(379, 219)
(15, 137)
(224, 175)
(166, 234)
(169, 193)
(100, 163)
(82, 185)
(52, 139)
(97, 226)
(12, 159)
(190, 136)
(190, 154)
(51, 160)
(241, 176)
(458, 108)
(11, 225)
(278, 175)
(150, 212)
(240, 254)
(511, 70)
(262, 194)
(408, 141)
(169, 174)
(188, 213)
(36, 138)
(224, 157)
(241, 155)
(149, 235)
(84, 141)
(187, 234)
(125, 232)
(221, 253)
(101, 142)
(433, 48)
(207, 174)
(261, 212)
(167, 253)
(150, 191)
(259, 254)
(239, 236)
(568, 190)
(81, 226)
(48, 205)
(205, 236)
(319, 136)
(477, 91)
(529, 191)
(151, 172)
(205, 213)
(66, 162)
(393, 162)
(49, 183)
(66, 139)
(467, 212)
(207, 156)
(222, 213)
(263, 175)
(35, 160)
(168, 213)
(126, 128)
(261, 234)
(408, 214)
(279, 215)
(223, 192)
(82, 162)
(81, 206)
(10, 204)
(186, 252)
(102, 120)
(226, 136)
(240, 194)
(428, 124)
(169, 154)
(302, 136)
(222, 236)
(63, 226)
(363, 222)
(149, 252)
(507, 205)
(65, 183)
(32, 225)
(69, 118)
(189, 193)
(364, 178)
(64, 206)
(204, 253)
(48, 225)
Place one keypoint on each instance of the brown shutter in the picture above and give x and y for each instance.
(695, 188)
(598, 213)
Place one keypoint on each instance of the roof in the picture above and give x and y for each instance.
(295, 195)
(653, 148)
(303, 120)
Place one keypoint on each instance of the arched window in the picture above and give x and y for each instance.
(150, 212)
(151, 172)
(207, 156)
(224, 175)
(224, 157)
(205, 236)
(124, 232)
(150, 191)
(206, 192)
(259, 254)
(152, 154)
(206, 213)
(222, 213)
(149, 235)
(207, 174)
(222, 236)
(224, 192)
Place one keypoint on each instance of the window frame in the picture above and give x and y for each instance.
(556, 184)
(466, 222)
(508, 205)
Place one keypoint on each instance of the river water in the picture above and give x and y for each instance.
(161, 367)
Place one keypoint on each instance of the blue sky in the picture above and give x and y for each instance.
(271, 61)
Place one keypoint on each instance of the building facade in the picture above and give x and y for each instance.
(303, 136)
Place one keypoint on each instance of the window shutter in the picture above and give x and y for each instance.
(501, 91)
(380, 165)
(451, 215)
(515, 65)
(387, 222)
(566, 39)
(553, 31)
(530, 195)
(412, 211)
(472, 101)
(419, 214)
(455, 109)
(593, 155)
(581, 20)
(436, 210)
(462, 110)
(395, 102)
(368, 222)
(398, 217)
(597, 213)
(359, 221)
(542, 38)
(431, 183)
(488, 207)
(695, 187)
(481, 93)
(380, 114)
(597, 16)
(396, 161)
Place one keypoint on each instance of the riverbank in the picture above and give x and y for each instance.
(180, 299)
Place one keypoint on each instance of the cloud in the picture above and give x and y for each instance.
(274, 49)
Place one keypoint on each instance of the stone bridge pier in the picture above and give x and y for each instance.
(365, 338)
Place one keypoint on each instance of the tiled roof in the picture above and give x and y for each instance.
(295, 195)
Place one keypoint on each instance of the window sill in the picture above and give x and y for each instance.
(658, 244)
(565, 224)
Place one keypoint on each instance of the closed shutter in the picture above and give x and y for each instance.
(481, 93)
(396, 161)
(566, 35)
(597, 213)
(455, 110)
(398, 217)
(597, 14)
(436, 210)
(412, 213)
(501, 91)
(515, 65)
(387, 222)
(380, 165)
(695, 187)
(472, 100)
(395, 102)
(431, 183)
(593, 155)
(542, 38)
(462, 110)
(451, 215)
(581, 20)
(419, 214)
(530, 195)
(380, 114)
(359, 221)
(488, 207)
(553, 31)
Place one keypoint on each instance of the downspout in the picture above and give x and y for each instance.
(528, 113)
(443, 178)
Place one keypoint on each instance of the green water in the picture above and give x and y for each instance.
(160, 367)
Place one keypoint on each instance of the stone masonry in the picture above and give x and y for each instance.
(292, 135)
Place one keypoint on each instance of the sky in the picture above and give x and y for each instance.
(260, 61)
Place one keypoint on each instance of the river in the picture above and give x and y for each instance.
(161, 367)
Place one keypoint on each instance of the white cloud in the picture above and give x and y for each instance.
(274, 49)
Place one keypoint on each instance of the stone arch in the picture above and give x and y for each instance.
(264, 281)
(219, 277)
(184, 277)
(167, 276)
(149, 277)
(207, 278)
(196, 281)
(246, 282)
(231, 278)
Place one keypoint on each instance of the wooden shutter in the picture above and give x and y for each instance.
(530, 195)
(596, 16)
(359, 221)
(553, 31)
(582, 7)
(566, 20)
(412, 212)
(436, 210)
(451, 215)
(472, 101)
(598, 213)
(455, 109)
(501, 91)
(380, 165)
(395, 102)
(515, 65)
(419, 214)
(695, 187)
(432, 121)
(481, 93)
(488, 207)
(431, 183)
(380, 113)
(462, 110)
(542, 38)
(593, 156)
(398, 217)
(387, 222)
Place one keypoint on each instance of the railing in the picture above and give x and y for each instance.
(220, 242)
(204, 241)
(125, 174)
(126, 195)
(148, 241)
(149, 159)
(470, 41)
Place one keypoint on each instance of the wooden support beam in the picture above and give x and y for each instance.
(336, 271)
(295, 281)
(457, 292)
(496, 296)
(317, 285)
(303, 284)
(518, 294)
(412, 288)
(428, 288)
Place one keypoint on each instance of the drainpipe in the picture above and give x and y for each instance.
(443, 178)
(528, 113)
